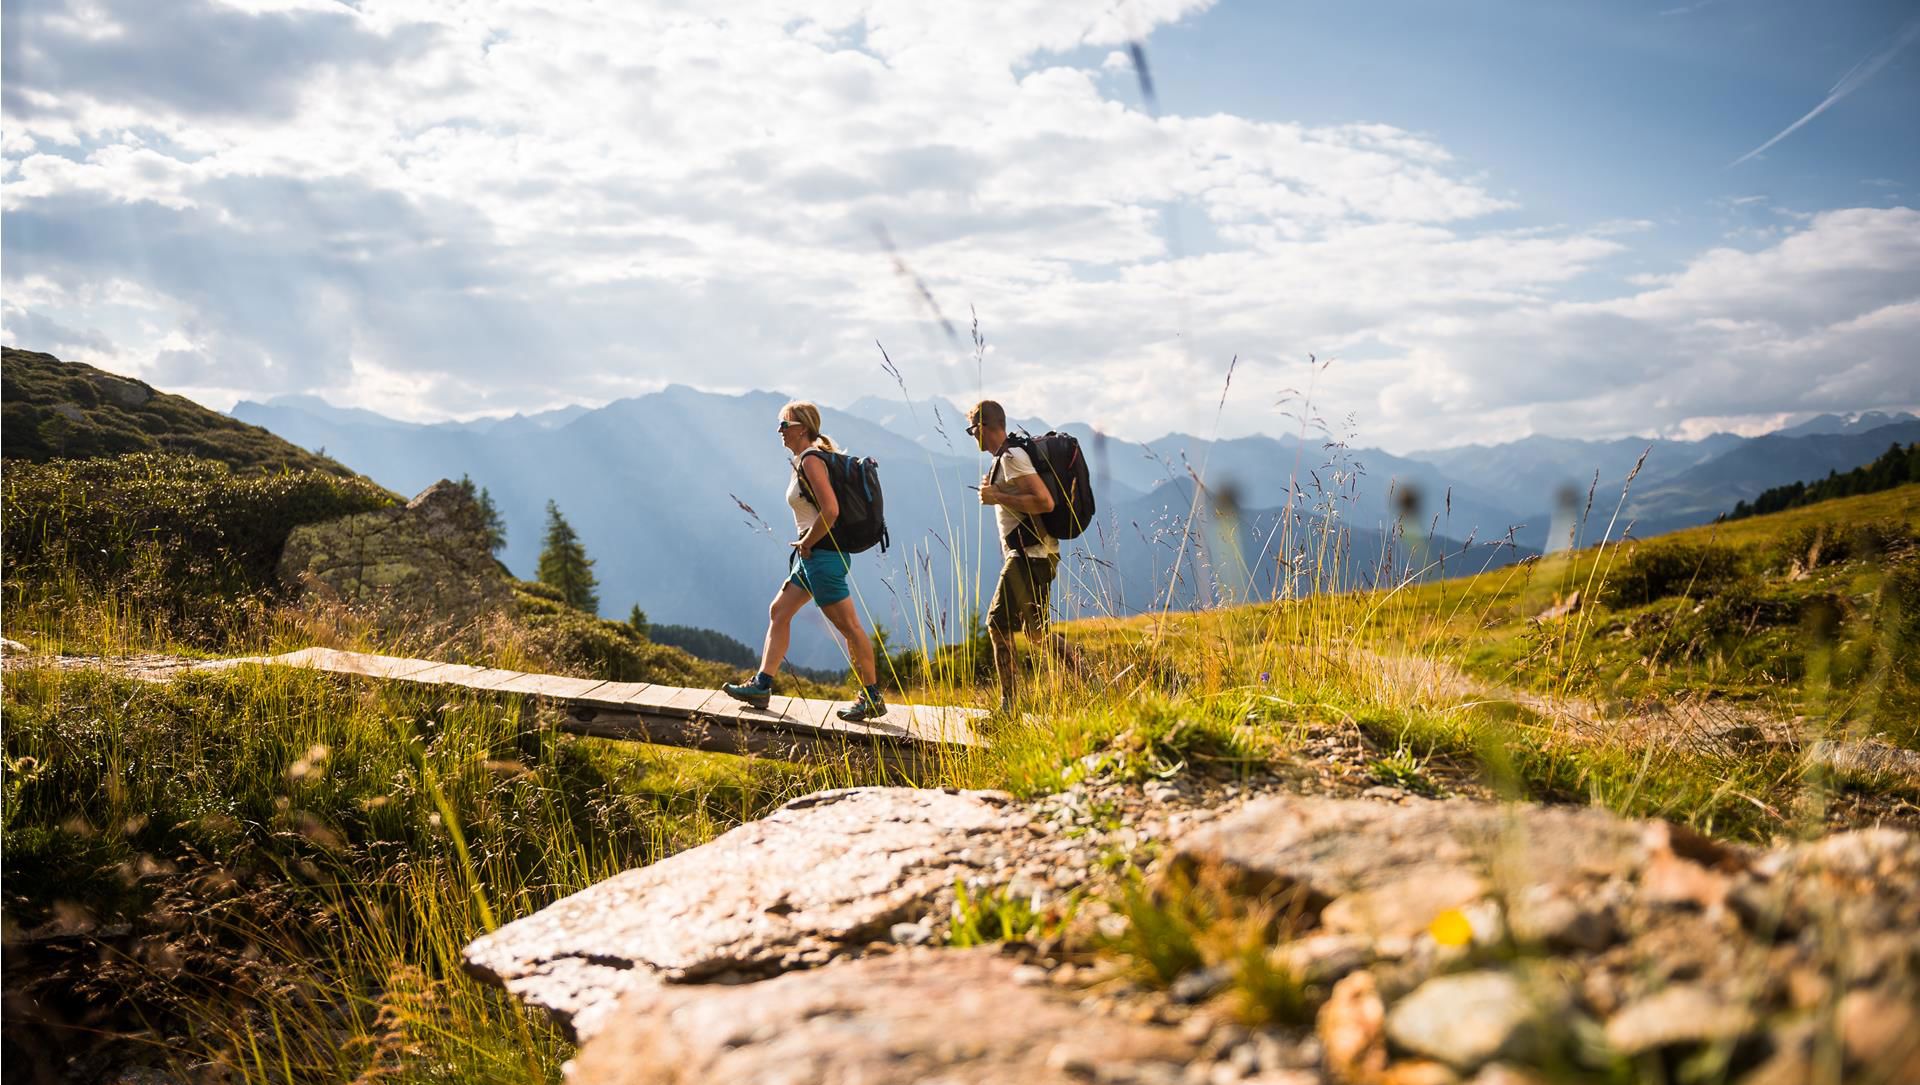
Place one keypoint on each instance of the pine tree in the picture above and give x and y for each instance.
(564, 564)
(638, 620)
(491, 522)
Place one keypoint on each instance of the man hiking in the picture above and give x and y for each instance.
(1020, 497)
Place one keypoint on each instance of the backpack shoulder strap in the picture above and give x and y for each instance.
(1013, 441)
(799, 471)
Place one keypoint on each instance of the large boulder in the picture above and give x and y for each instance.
(425, 562)
(957, 1016)
(822, 876)
(1390, 869)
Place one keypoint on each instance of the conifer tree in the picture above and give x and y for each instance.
(491, 522)
(638, 620)
(564, 564)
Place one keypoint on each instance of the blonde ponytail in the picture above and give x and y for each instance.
(808, 415)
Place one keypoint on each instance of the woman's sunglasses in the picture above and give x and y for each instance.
(785, 424)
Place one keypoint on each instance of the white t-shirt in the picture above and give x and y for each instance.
(805, 514)
(1014, 463)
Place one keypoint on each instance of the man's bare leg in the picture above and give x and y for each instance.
(1003, 665)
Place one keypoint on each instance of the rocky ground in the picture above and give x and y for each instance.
(1393, 938)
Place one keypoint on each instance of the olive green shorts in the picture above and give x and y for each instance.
(1022, 598)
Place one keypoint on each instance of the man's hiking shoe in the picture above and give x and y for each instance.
(752, 693)
(864, 708)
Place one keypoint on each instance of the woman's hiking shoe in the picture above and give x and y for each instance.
(868, 706)
(753, 693)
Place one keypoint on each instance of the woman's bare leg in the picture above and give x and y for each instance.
(847, 620)
(780, 625)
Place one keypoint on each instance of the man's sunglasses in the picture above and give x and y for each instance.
(973, 429)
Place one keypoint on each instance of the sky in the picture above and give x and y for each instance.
(1479, 220)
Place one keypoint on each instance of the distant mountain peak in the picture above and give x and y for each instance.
(1850, 422)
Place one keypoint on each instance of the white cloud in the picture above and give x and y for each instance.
(1825, 319)
(512, 205)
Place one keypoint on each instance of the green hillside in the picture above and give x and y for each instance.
(1687, 676)
(1895, 467)
(67, 410)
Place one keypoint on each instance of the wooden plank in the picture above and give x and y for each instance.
(488, 679)
(556, 686)
(726, 707)
(446, 674)
(811, 712)
(942, 723)
(335, 661)
(672, 701)
(495, 678)
(611, 694)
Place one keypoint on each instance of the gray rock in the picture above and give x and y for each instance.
(427, 560)
(124, 391)
(1404, 907)
(917, 933)
(1684, 1015)
(1467, 1020)
(1869, 758)
(952, 1016)
(1542, 915)
(1323, 958)
(1321, 849)
(823, 874)
(1201, 984)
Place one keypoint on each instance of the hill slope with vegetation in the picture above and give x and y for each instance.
(1896, 466)
(67, 410)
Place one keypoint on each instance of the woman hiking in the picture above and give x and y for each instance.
(816, 570)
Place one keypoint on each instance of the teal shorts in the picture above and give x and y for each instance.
(823, 576)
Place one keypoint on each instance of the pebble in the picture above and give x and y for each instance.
(1466, 1020)
(1679, 1015)
(1200, 984)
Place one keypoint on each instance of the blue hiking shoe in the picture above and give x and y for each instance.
(868, 706)
(755, 693)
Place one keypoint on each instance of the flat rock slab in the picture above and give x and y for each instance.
(823, 874)
(959, 1017)
(1328, 848)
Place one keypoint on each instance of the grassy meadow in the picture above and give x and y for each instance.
(269, 874)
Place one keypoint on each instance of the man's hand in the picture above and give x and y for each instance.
(989, 493)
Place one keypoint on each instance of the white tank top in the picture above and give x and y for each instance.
(805, 515)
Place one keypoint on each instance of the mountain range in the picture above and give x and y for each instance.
(678, 496)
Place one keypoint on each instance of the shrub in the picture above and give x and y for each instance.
(186, 535)
(1812, 546)
(1653, 571)
(605, 649)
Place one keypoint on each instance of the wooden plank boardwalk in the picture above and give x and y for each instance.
(794, 728)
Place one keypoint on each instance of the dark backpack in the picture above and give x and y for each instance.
(1056, 456)
(856, 485)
